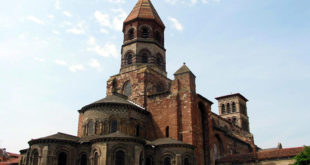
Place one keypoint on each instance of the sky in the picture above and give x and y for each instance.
(56, 56)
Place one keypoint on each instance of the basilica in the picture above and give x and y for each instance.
(147, 118)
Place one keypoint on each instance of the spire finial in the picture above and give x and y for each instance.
(184, 63)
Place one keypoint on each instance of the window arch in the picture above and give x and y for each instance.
(148, 161)
(131, 33)
(223, 109)
(145, 31)
(127, 89)
(228, 107)
(158, 36)
(167, 161)
(119, 158)
(96, 158)
(144, 57)
(186, 161)
(83, 159)
(113, 126)
(167, 131)
(90, 127)
(159, 60)
(233, 107)
(35, 157)
(128, 58)
(234, 120)
(62, 158)
(138, 130)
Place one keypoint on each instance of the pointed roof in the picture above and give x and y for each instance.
(183, 69)
(60, 136)
(144, 9)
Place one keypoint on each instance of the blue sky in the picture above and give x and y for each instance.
(56, 56)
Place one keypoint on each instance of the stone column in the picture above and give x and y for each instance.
(178, 159)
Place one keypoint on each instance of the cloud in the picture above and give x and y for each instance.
(67, 13)
(108, 50)
(94, 63)
(60, 62)
(51, 16)
(39, 59)
(78, 29)
(176, 24)
(77, 67)
(114, 21)
(35, 20)
(55, 31)
(102, 30)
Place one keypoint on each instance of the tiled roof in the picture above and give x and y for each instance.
(58, 136)
(183, 69)
(279, 153)
(236, 94)
(144, 9)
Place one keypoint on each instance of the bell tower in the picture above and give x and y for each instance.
(143, 39)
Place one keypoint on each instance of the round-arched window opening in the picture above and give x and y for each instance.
(131, 34)
(35, 158)
(113, 126)
(144, 58)
(62, 159)
(223, 109)
(228, 108)
(186, 161)
(96, 159)
(145, 32)
(159, 60)
(233, 107)
(158, 36)
(234, 120)
(129, 59)
(148, 161)
(127, 89)
(91, 128)
(83, 160)
(167, 161)
(119, 158)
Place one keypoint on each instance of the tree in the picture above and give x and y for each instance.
(303, 158)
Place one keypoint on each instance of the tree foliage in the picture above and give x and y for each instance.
(303, 158)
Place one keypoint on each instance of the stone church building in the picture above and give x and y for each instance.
(147, 118)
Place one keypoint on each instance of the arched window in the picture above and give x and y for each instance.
(144, 58)
(129, 59)
(141, 159)
(221, 146)
(157, 36)
(113, 126)
(131, 33)
(145, 32)
(223, 109)
(62, 158)
(137, 130)
(148, 161)
(234, 120)
(97, 128)
(83, 160)
(186, 161)
(35, 158)
(96, 159)
(167, 161)
(127, 89)
(167, 131)
(233, 107)
(159, 60)
(228, 108)
(91, 128)
(119, 158)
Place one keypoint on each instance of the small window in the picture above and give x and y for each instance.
(167, 161)
(228, 108)
(127, 89)
(223, 109)
(96, 159)
(157, 37)
(131, 33)
(35, 158)
(62, 159)
(113, 126)
(234, 120)
(233, 107)
(159, 60)
(167, 131)
(137, 130)
(144, 58)
(148, 161)
(145, 32)
(83, 160)
(186, 161)
(91, 128)
(129, 59)
(119, 158)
